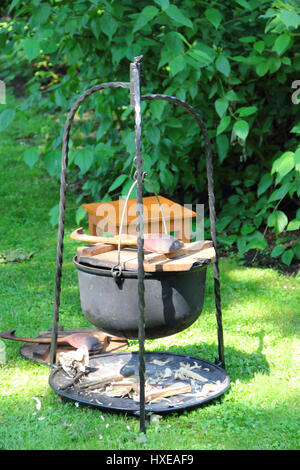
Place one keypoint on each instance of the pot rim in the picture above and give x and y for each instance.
(134, 274)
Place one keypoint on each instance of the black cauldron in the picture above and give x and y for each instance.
(173, 300)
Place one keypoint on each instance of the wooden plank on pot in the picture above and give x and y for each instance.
(182, 263)
(187, 248)
(110, 259)
(191, 254)
(91, 250)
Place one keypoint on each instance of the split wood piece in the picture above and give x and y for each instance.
(103, 381)
(92, 250)
(73, 381)
(41, 351)
(196, 253)
(167, 392)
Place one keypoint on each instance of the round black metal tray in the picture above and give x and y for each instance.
(215, 381)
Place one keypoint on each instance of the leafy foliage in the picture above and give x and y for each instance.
(235, 62)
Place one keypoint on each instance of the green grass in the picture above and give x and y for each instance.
(261, 333)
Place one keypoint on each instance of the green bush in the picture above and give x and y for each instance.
(236, 62)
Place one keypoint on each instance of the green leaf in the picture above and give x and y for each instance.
(201, 57)
(48, 46)
(126, 188)
(264, 184)
(54, 215)
(41, 13)
(282, 43)
(157, 109)
(280, 192)
(256, 242)
(174, 43)
(224, 123)
(52, 162)
(262, 68)
(296, 129)
(117, 183)
(147, 163)
(146, 15)
(13, 4)
(278, 220)
(166, 177)
(60, 100)
(213, 16)
(84, 159)
(96, 27)
(277, 251)
(103, 128)
(243, 3)
(246, 111)
(163, 3)
(153, 135)
(222, 146)
(293, 225)
(221, 106)
(80, 215)
(177, 15)
(259, 46)
(129, 141)
(248, 39)
(71, 25)
(108, 25)
(6, 118)
(222, 224)
(31, 48)
(274, 64)
(287, 257)
(247, 228)
(296, 250)
(31, 156)
(284, 164)
(241, 128)
(74, 54)
(222, 65)
(297, 159)
(177, 65)
(290, 18)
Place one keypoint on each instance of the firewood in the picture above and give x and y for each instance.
(103, 381)
(167, 392)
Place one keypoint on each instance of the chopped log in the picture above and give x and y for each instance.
(167, 392)
(103, 381)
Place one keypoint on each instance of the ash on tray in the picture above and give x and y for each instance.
(173, 382)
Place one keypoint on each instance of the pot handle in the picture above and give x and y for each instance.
(116, 270)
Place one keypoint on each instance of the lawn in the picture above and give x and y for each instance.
(261, 333)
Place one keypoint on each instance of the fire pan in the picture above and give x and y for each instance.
(160, 366)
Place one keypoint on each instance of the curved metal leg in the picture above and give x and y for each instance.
(212, 212)
(62, 205)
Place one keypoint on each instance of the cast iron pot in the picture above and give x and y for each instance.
(173, 300)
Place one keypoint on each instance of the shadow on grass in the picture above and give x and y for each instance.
(239, 365)
(254, 296)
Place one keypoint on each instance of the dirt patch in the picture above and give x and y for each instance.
(264, 260)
